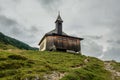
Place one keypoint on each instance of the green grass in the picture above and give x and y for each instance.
(94, 70)
(22, 64)
(29, 63)
(4, 46)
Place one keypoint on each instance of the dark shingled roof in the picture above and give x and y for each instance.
(55, 32)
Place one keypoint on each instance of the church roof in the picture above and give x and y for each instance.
(55, 32)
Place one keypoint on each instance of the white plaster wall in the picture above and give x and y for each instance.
(43, 42)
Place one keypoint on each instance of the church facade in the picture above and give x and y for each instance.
(58, 40)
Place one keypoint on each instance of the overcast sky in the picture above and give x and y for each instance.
(97, 21)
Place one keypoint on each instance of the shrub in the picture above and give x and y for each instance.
(17, 57)
(11, 65)
(7, 73)
(3, 58)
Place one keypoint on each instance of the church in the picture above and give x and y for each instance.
(58, 40)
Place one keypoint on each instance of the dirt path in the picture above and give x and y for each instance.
(54, 76)
(57, 75)
(110, 68)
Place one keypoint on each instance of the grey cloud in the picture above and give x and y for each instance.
(114, 44)
(16, 31)
(115, 32)
(94, 37)
(113, 51)
(6, 21)
(16, 1)
(89, 47)
(34, 29)
(50, 5)
(113, 41)
(101, 13)
(112, 54)
(0, 9)
(118, 41)
(10, 26)
(47, 1)
(104, 15)
(110, 41)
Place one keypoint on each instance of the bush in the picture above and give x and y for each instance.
(11, 65)
(7, 73)
(3, 58)
(17, 57)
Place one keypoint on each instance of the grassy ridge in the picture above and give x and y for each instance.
(93, 70)
(4, 46)
(8, 43)
(22, 64)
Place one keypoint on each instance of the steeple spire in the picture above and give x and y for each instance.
(58, 12)
(59, 18)
(58, 23)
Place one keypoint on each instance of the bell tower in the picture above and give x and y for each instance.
(58, 23)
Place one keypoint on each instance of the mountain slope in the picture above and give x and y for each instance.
(36, 65)
(8, 42)
(19, 64)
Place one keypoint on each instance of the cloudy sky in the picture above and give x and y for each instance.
(97, 21)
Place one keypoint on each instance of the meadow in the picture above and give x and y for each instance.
(32, 65)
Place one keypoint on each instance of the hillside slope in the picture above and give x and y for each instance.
(36, 65)
(8, 42)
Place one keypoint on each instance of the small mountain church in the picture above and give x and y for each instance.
(58, 40)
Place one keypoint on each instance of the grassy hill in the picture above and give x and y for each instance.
(11, 43)
(18, 61)
(36, 65)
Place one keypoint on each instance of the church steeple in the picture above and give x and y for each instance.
(59, 19)
(58, 23)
